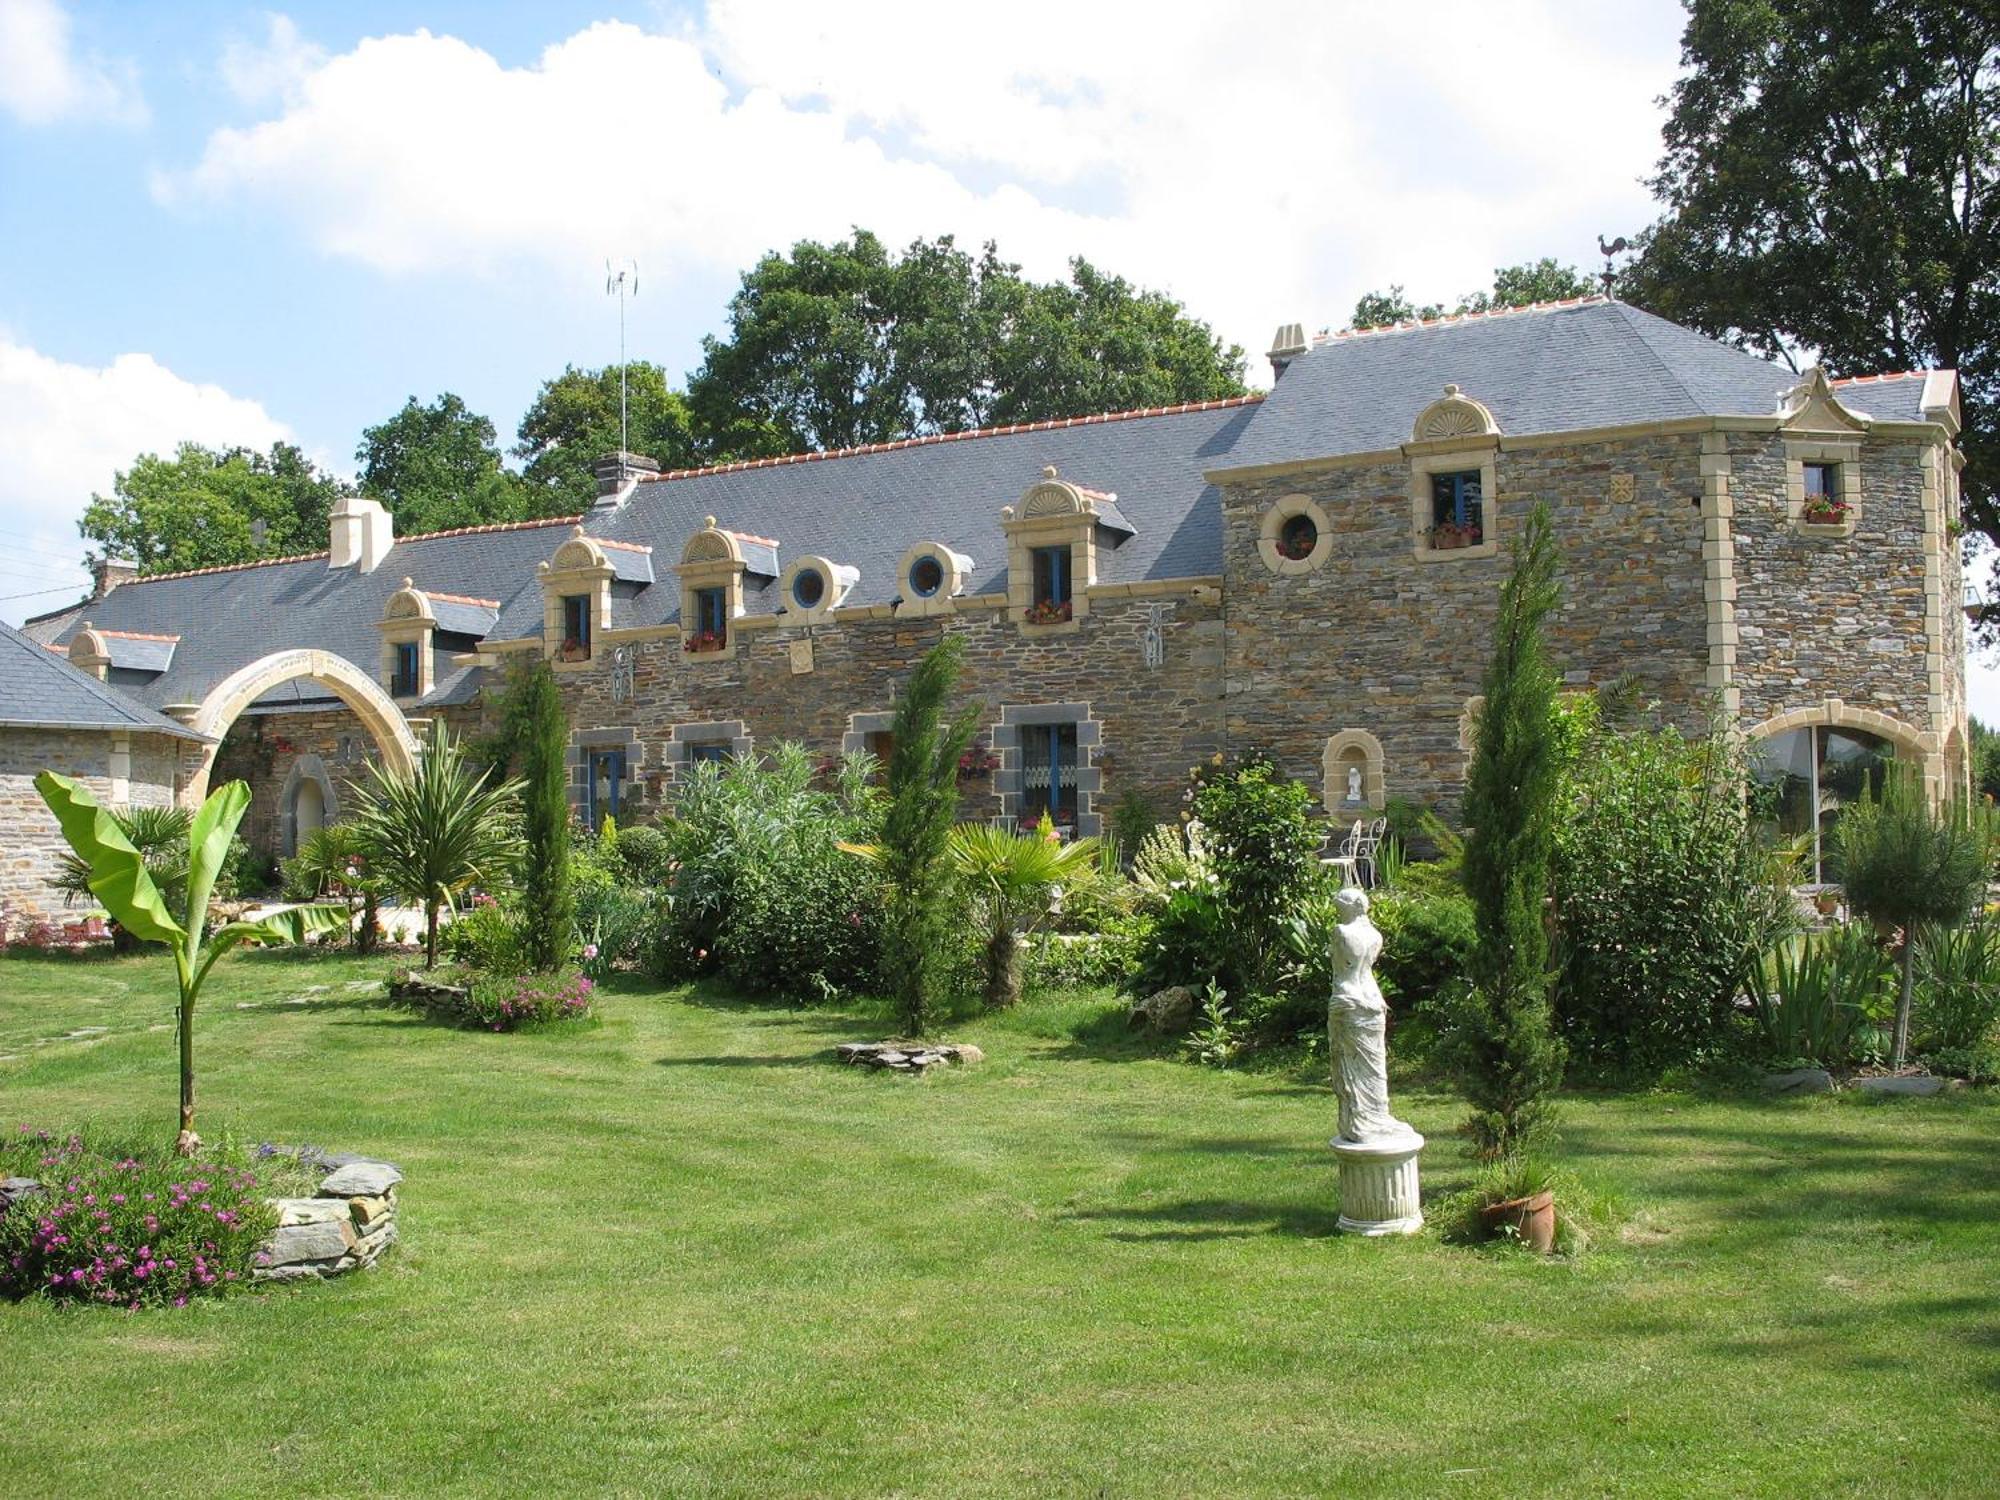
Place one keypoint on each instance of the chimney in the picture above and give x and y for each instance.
(361, 534)
(107, 573)
(618, 472)
(1286, 345)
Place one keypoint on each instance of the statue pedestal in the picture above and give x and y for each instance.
(1378, 1184)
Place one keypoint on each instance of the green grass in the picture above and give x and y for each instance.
(680, 1253)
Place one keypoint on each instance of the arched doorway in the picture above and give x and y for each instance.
(376, 710)
(1810, 765)
(308, 803)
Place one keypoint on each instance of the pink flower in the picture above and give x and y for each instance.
(590, 950)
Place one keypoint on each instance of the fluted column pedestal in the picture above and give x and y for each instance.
(1378, 1184)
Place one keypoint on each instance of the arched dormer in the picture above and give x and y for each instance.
(407, 623)
(576, 598)
(930, 576)
(1051, 553)
(713, 564)
(1454, 479)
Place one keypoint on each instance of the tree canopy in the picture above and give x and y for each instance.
(573, 422)
(832, 346)
(200, 508)
(1830, 189)
(436, 467)
(1544, 280)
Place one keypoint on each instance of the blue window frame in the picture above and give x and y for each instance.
(404, 681)
(576, 620)
(1052, 575)
(1456, 501)
(716, 751)
(711, 612)
(1822, 482)
(1048, 774)
(603, 786)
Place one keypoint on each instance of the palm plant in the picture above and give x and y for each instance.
(1012, 875)
(435, 832)
(333, 861)
(119, 878)
(160, 834)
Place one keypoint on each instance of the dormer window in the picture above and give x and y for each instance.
(1825, 504)
(407, 678)
(711, 620)
(808, 588)
(1053, 600)
(926, 577)
(1458, 511)
(576, 627)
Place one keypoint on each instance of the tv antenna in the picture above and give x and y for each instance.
(621, 280)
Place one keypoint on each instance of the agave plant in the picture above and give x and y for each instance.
(433, 833)
(1012, 874)
(119, 878)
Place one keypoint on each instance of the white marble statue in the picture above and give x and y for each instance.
(1356, 1023)
(1354, 783)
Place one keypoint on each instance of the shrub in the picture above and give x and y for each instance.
(609, 923)
(506, 1004)
(1664, 896)
(1263, 839)
(1958, 997)
(1182, 938)
(644, 855)
(1011, 877)
(126, 1227)
(485, 937)
(1501, 1045)
(1063, 960)
(1814, 998)
(1427, 943)
(762, 895)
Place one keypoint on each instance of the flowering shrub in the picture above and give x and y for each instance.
(110, 1227)
(504, 1004)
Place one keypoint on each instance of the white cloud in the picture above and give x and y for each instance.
(43, 78)
(67, 429)
(1263, 163)
(273, 70)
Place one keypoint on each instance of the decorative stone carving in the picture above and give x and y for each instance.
(1377, 1152)
(1154, 640)
(1453, 415)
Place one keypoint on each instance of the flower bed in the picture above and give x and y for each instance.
(496, 1002)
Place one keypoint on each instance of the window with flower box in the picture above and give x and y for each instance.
(1048, 775)
(1053, 600)
(1458, 510)
(576, 627)
(1825, 504)
(711, 620)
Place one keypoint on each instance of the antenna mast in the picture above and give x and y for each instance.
(621, 279)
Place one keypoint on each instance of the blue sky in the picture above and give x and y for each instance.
(233, 223)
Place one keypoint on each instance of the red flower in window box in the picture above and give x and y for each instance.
(977, 761)
(1048, 612)
(1826, 510)
(705, 640)
(1450, 535)
(573, 649)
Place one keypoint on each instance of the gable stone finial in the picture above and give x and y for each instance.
(1048, 471)
(709, 522)
(409, 583)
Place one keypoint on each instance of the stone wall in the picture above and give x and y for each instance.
(347, 1224)
(1380, 640)
(809, 683)
(118, 769)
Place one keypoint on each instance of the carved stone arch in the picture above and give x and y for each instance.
(309, 780)
(711, 544)
(1352, 749)
(1926, 751)
(577, 551)
(1054, 497)
(408, 603)
(1453, 415)
(227, 699)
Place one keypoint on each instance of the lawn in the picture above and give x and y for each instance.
(680, 1253)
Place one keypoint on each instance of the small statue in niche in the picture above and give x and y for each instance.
(1357, 1025)
(1353, 783)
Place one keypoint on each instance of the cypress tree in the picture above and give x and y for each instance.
(916, 831)
(1503, 1050)
(541, 733)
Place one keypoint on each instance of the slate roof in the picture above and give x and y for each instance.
(1563, 367)
(1557, 368)
(40, 689)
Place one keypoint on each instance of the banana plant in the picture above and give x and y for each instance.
(119, 878)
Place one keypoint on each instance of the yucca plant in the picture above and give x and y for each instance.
(1812, 996)
(1012, 874)
(119, 878)
(433, 833)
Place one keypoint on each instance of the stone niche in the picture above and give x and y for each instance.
(345, 1226)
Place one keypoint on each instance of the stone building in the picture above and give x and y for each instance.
(1312, 573)
(53, 715)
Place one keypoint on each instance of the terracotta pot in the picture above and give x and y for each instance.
(1533, 1220)
(1827, 903)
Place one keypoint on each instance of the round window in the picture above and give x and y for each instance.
(926, 577)
(1297, 538)
(808, 588)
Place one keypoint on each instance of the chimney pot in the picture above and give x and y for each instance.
(1286, 345)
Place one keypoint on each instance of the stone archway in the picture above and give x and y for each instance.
(376, 710)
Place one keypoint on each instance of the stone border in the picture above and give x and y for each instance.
(346, 1226)
(906, 1057)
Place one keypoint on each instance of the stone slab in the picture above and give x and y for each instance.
(1917, 1085)
(295, 1211)
(295, 1243)
(360, 1179)
(1800, 1081)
